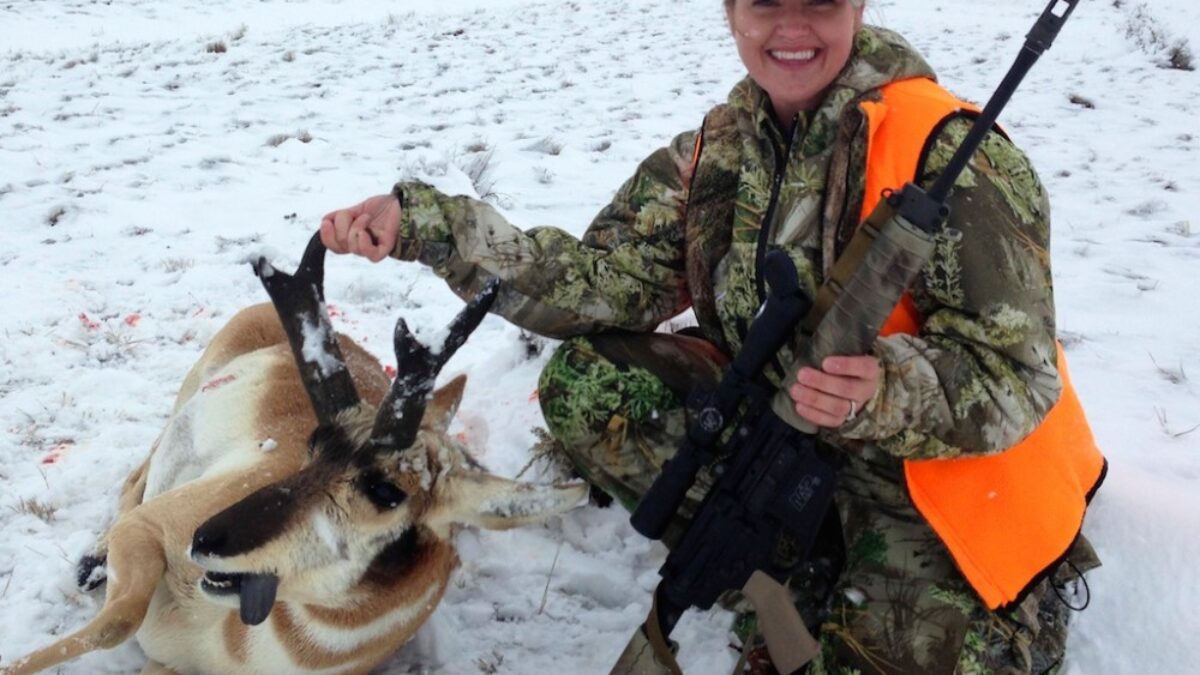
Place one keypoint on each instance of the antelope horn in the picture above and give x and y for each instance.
(300, 302)
(399, 416)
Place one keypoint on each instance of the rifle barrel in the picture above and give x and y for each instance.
(1039, 39)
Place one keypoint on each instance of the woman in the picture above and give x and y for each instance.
(786, 164)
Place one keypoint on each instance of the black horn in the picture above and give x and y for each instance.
(300, 301)
(417, 366)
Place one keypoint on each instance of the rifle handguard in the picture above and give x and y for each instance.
(901, 249)
(856, 309)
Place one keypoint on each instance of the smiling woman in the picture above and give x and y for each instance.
(832, 114)
(794, 50)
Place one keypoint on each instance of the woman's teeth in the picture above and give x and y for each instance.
(806, 55)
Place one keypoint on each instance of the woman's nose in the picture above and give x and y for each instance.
(793, 23)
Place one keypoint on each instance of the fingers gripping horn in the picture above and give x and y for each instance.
(300, 302)
(399, 416)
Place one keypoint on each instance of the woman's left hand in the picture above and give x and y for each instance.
(834, 395)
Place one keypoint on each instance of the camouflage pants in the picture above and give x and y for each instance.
(883, 597)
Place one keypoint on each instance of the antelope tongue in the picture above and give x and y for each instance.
(257, 594)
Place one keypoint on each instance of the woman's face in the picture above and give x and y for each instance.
(794, 49)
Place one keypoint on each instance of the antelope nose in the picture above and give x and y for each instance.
(207, 542)
(246, 525)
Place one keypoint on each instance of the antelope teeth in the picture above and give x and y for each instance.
(220, 582)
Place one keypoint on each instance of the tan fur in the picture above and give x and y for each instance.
(234, 632)
(248, 373)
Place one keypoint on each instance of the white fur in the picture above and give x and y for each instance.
(214, 431)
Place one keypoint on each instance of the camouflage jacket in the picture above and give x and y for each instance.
(980, 375)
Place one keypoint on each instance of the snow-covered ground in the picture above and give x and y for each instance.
(149, 148)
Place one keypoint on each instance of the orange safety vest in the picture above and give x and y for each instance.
(1008, 519)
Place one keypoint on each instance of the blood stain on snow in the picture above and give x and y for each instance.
(56, 453)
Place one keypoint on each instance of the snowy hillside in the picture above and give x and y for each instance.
(149, 148)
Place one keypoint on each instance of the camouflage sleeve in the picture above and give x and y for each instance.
(982, 373)
(626, 272)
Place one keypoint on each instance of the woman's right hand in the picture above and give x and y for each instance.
(368, 229)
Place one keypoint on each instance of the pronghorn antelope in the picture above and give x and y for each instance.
(259, 537)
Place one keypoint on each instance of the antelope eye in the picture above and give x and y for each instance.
(383, 494)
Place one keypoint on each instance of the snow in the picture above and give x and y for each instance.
(314, 337)
(149, 148)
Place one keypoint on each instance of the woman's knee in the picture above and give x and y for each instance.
(616, 424)
(571, 392)
(581, 391)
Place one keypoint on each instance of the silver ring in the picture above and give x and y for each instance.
(853, 412)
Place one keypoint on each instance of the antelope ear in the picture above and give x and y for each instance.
(443, 404)
(476, 498)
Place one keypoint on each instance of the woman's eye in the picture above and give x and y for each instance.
(383, 494)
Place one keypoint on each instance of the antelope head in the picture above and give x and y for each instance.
(381, 485)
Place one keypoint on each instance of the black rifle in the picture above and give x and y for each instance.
(769, 478)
